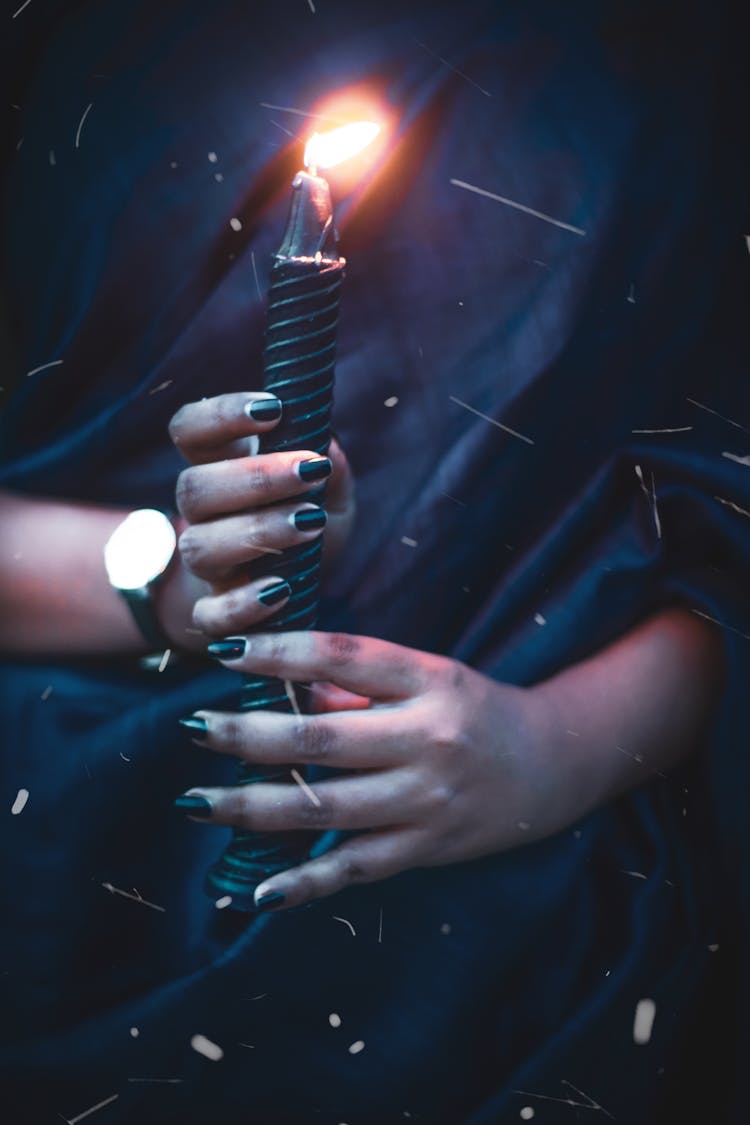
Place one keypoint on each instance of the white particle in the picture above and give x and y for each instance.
(205, 1047)
(162, 387)
(500, 426)
(540, 619)
(736, 457)
(356, 1047)
(43, 367)
(644, 1021)
(223, 902)
(17, 13)
(631, 293)
(165, 659)
(713, 948)
(86, 112)
(445, 928)
(346, 923)
(134, 1032)
(212, 157)
(235, 224)
(94, 1108)
(311, 5)
(524, 825)
(392, 401)
(519, 206)
(173, 164)
(218, 177)
(527, 1113)
(311, 795)
(577, 834)
(52, 158)
(407, 542)
(46, 693)
(334, 1019)
(20, 802)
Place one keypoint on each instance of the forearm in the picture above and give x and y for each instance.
(635, 708)
(54, 593)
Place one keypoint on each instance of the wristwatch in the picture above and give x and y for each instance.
(136, 556)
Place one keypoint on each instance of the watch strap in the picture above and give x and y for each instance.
(141, 605)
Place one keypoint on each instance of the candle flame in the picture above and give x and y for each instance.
(324, 150)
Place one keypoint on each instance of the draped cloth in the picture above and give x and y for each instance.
(543, 394)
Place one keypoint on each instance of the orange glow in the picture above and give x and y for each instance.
(325, 150)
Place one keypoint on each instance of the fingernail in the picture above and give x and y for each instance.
(269, 900)
(275, 593)
(230, 649)
(309, 519)
(194, 725)
(263, 409)
(316, 468)
(193, 805)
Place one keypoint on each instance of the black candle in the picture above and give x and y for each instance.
(299, 358)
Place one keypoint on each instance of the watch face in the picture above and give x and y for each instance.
(139, 550)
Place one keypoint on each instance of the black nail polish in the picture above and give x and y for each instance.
(194, 725)
(270, 900)
(275, 593)
(230, 649)
(193, 805)
(263, 409)
(310, 519)
(317, 468)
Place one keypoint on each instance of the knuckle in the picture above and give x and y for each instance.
(222, 411)
(258, 478)
(188, 547)
(353, 870)
(187, 492)
(315, 815)
(315, 740)
(439, 797)
(339, 648)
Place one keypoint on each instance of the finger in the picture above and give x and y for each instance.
(329, 697)
(241, 608)
(340, 740)
(211, 550)
(208, 430)
(365, 859)
(372, 801)
(364, 665)
(223, 487)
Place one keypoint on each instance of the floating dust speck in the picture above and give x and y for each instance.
(165, 659)
(134, 1032)
(346, 923)
(212, 158)
(219, 177)
(52, 158)
(408, 542)
(223, 902)
(162, 387)
(19, 804)
(713, 948)
(207, 1048)
(526, 1113)
(577, 834)
(356, 1047)
(235, 224)
(445, 928)
(643, 1022)
(392, 401)
(540, 619)
(523, 826)
(173, 164)
(46, 693)
(334, 1019)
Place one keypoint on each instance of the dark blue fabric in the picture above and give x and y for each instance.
(468, 984)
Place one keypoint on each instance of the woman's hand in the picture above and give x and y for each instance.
(444, 764)
(237, 508)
